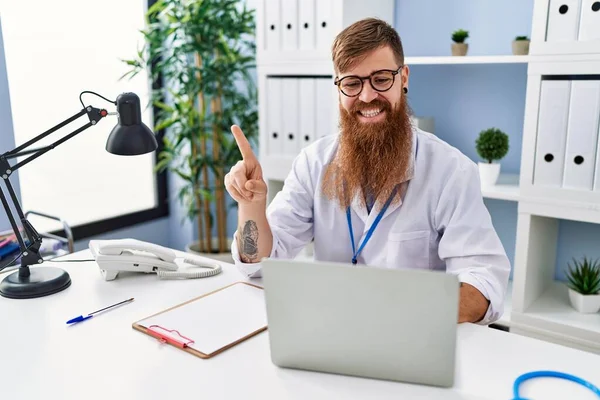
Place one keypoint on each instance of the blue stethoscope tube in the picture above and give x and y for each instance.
(550, 374)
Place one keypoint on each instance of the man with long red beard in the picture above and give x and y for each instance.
(380, 193)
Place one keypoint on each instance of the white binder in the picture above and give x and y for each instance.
(289, 24)
(324, 103)
(274, 117)
(324, 26)
(307, 126)
(582, 135)
(307, 24)
(290, 115)
(551, 133)
(589, 27)
(272, 25)
(563, 20)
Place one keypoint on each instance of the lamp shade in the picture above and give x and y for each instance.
(130, 137)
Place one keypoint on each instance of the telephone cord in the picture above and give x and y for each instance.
(192, 273)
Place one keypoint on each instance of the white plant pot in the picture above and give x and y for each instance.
(587, 304)
(225, 257)
(489, 173)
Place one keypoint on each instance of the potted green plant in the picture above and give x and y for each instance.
(204, 52)
(491, 145)
(583, 281)
(520, 46)
(459, 47)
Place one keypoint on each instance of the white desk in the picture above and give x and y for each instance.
(105, 358)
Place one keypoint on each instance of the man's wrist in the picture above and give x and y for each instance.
(252, 208)
(473, 304)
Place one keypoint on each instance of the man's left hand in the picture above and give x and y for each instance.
(473, 304)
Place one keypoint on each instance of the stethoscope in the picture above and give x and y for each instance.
(550, 374)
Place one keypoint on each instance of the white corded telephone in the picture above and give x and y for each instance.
(113, 256)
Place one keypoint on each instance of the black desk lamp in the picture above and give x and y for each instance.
(130, 137)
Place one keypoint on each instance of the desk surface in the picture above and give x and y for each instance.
(105, 357)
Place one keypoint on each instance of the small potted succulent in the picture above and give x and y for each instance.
(459, 47)
(520, 46)
(491, 145)
(583, 281)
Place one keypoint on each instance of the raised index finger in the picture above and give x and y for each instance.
(243, 144)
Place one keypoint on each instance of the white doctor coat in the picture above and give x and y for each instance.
(440, 224)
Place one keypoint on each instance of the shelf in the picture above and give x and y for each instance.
(552, 313)
(502, 59)
(556, 208)
(506, 188)
(508, 59)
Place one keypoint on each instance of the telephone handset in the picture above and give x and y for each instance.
(113, 256)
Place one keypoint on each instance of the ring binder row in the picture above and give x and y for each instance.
(298, 25)
(167, 336)
(573, 20)
(568, 151)
(298, 112)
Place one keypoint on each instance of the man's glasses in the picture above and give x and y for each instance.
(381, 81)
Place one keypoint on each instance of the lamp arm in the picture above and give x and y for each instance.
(43, 135)
(30, 252)
(94, 114)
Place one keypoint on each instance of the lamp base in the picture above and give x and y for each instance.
(42, 281)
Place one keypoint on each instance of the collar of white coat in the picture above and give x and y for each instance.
(369, 218)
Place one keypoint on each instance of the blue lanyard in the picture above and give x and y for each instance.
(371, 229)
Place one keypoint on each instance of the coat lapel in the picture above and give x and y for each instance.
(402, 187)
(360, 210)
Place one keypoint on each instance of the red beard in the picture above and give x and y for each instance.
(371, 157)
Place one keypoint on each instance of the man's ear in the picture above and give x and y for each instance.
(405, 76)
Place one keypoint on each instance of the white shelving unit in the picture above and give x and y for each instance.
(561, 47)
(551, 315)
(565, 48)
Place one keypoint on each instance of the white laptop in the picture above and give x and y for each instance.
(392, 324)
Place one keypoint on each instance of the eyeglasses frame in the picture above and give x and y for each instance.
(337, 81)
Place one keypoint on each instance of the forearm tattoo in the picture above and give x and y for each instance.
(248, 242)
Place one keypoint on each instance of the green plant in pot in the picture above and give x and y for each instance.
(459, 47)
(520, 46)
(491, 145)
(203, 51)
(583, 280)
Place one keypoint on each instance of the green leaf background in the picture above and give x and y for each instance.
(222, 34)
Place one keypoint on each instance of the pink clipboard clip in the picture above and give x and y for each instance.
(167, 336)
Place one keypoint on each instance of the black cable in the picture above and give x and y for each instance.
(87, 91)
(45, 261)
(11, 262)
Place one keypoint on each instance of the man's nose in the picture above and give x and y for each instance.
(368, 94)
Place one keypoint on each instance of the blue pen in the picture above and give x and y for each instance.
(90, 315)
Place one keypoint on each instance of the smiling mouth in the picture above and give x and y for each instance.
(370, 113)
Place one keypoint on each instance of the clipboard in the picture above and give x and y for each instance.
(212, 323)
